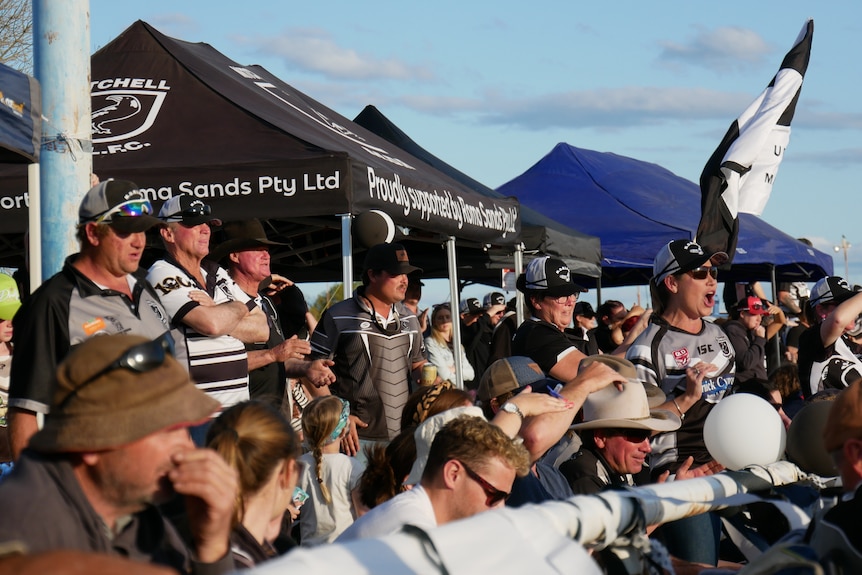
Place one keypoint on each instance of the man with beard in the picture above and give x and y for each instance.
(377, 347)
(116, 444)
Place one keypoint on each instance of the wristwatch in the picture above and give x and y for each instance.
(510, 407)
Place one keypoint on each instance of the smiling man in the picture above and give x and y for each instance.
(377, 346)
(116, 445)
(99, 291)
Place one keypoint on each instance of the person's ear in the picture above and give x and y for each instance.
(600, 439)
(167, 233)
(671, 282)
(451, 470)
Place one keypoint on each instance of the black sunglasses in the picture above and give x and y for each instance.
(632, 435)
(140, 358)
(701, 273)
(391, 328)
(492, 495)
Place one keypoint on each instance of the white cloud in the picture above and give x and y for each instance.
(314, 50)
(721, 49)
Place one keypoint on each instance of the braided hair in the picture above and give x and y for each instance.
(320, 420)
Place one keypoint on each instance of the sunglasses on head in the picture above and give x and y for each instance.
(131, 209)
(492, 495)
(700, 273)
(139, 358)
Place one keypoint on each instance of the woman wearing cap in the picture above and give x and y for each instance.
(749, 336)
(825, 360)
(693, 363)
(439, 347)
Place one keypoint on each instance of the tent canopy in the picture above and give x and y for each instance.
(637, 207)
(539, 233)
(180, 117)
(20, 117)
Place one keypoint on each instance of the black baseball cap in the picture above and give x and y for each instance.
(391, 258)
(550, 276)
(681, 256)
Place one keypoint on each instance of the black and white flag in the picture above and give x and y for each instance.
(740, 173)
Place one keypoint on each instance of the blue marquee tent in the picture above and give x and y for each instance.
(636, 207)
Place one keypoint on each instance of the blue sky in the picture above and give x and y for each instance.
(491, 87)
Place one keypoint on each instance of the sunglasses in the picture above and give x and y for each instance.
(139, 358)
(701, 273)
(130, 209)
(492, 495)
(391, 328)
(632, 435)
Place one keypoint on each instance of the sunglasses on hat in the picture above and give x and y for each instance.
(130, 209)
(139, 358)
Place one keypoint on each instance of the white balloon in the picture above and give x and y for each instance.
(742, 430)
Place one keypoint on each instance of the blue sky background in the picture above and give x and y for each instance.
(491, 87)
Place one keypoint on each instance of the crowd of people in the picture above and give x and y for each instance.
(195, 417)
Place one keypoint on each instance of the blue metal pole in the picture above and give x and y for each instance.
(61, 49)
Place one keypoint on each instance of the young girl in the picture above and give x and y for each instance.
(329, 477)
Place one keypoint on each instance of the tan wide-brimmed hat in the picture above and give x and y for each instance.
(626, 408)
(106, 397)
(627, 369)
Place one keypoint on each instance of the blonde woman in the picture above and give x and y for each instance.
(259, 443)
(439, 346)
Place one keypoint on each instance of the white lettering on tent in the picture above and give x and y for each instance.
(321, 182)
(136, 83)
(441, 205)
(15, 202)
(216, 189)
(285, 186)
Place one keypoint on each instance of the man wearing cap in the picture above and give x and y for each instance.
(581, 332)
(551, 295)
(116, 445)
(477, 327)
(377, 347)
(748, 335)
(246, 251)
(214, 317)
(99, 291)
(616, 430)
(825, 360)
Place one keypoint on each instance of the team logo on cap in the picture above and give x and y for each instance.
(564, 273)
(693, 248)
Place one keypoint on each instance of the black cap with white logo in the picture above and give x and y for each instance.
(548, 275)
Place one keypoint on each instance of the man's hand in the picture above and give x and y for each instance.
(210, 488)
(319, 373)
(202, 298)
(350, 441)
(685, 472)
(538, 403)
(293, 348)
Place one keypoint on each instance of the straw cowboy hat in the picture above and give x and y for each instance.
(627, 408)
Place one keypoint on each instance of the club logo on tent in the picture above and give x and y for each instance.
(121, 115)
